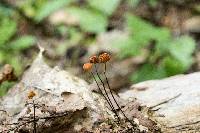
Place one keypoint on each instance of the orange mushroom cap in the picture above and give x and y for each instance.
(87, 66)
(103, 58)
(94, 59)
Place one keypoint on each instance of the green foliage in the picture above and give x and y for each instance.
(105, 6)
(92, 16)
(50, 7)
(135, 3)
(22, 43)
(5, 86)
(174, 54)
(141, 34)
(7, 29)
(5, 10)
(90, 20)
(147, 72)
(143, 31)
(10, 45)
(177, 54)
(153, 3)
(128, 47)
(172, 66)
(166, 55)
(38, 10)
(31, 7)
(181, 49)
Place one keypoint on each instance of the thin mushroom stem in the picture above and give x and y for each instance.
(114, 97)
(108, 99)
(34, 123)
(110, 104)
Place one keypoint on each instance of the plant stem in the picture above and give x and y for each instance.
(101, 91)
(114, 97)
(34, 123)
(107, 96)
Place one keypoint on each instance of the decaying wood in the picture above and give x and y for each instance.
(175, 101)
(62, 103)
(67, 103)
(60, 92)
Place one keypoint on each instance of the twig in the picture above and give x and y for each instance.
(166, 101)
(18, 125)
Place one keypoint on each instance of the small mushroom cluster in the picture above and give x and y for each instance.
(104, 58)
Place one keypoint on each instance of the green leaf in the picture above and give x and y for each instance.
(161, 35)
(16, 62)
(22, 43)
(105, 6)
(173, 66)
(182, 49)
(2, 57)
(128, 48)
(89, 20)
(140, 28)
(174, 55)
(5, 86)
(153, 3)
(162, 48)
(147, 72)
(50, 7)
(8, 28)
(136, 24)
(144, 31)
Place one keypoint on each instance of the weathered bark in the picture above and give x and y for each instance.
(63, 103)
(175, 101)
(58, 93)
